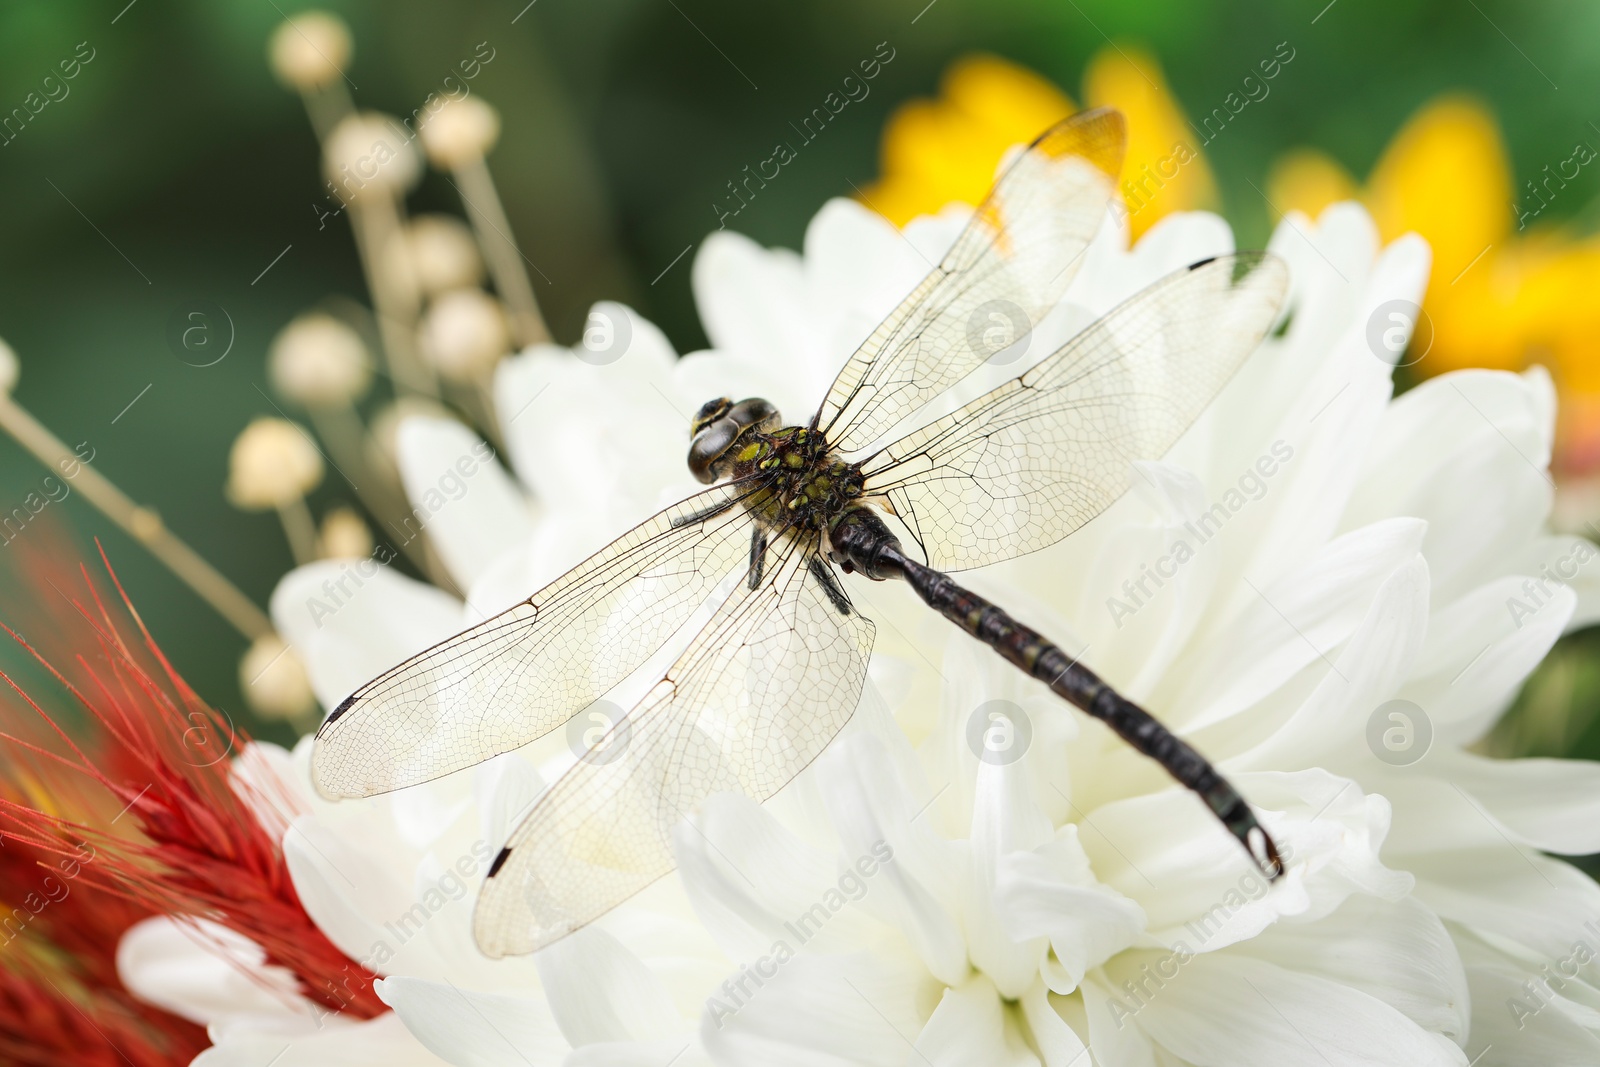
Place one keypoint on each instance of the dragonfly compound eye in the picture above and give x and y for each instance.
(719, 425)
(709, 412)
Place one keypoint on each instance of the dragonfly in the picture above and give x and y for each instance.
(876, 484)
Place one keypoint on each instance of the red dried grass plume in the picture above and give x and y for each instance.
(61, 1002)
(144, 808)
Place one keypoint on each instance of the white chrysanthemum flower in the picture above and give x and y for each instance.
(1332, 593)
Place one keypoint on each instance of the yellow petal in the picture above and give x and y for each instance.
(1010, 100)
(943, 150)
(1307, 180)
(1165, 170)
(1445, 176)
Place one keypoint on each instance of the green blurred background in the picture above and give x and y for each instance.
(177, 169)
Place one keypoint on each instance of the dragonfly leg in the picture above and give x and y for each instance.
(758, 556)
(830, 585)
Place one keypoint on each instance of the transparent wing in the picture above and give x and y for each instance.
(1032, 460)
(1006, 271)
(760, 693)
(519, 675)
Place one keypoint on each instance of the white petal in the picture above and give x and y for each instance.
(1051, 893)
(747, 298)
(461, 499)
(1434, 425)
(754, 883)
(351, 621)
(1397, 951)
(470, 1028)
(1061, 1044)
(1513, 1028)
(1197, 885)
(347, 887)
(1470, 873)
(1469, 673)
(599, 991)
(1368, 670)
(1222, 1008)
(1445, 446)
(857, 269)
(380, 1042)
(203, 972)
(506, 788)
(1551, 804)
(1113, 1040)
(1561, 559)
(596, 440)
(678, 1052)
(821, 1011)
(969, 1027)
(917, 887)
(1325, 600)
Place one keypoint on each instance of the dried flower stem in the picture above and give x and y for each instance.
(326, 106)
(140, 523)
(375, 218)
(483, 389)
(300, 530)
(341, 430)
(500, 251)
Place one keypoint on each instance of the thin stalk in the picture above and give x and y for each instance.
(500, 252)
(299, 528)
(327, 106)
(140, 523)
(375, 218)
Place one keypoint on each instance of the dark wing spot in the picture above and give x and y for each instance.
(1197, 264)
(343, 707)
(499, 861)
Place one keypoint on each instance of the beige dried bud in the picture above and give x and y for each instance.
(319, 361)
(443, 253)
(310, 50)
(272, 463)
(344, 535)
(10, 369)
(465, 333)
(369, 151)
(274, 680)
(461, 131)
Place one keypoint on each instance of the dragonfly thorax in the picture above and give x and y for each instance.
(796, 480)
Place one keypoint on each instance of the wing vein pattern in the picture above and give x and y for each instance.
(515, 677)
(1005, 272)
(756, 697)
(1034, 459)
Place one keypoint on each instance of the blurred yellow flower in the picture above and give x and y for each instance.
(947, 149)
(1309, 180)
(1504, 292)
(1165, 171)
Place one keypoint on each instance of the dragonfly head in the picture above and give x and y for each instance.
(718, 426)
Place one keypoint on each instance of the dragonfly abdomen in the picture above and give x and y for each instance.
(860, 541)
